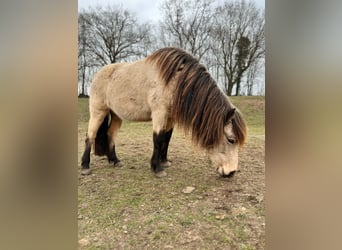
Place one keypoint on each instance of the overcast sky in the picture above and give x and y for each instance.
(145, 10)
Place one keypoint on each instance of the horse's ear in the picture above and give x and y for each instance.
(230, 115)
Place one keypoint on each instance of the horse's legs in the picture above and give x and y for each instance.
(113, 130)
(162, 131)
(158, 140)
(164, 148)
(96, 118)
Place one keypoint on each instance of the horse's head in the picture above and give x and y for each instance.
(224, 156)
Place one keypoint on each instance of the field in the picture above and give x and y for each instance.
(129, 208)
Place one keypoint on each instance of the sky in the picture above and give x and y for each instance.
(148, 11)
(145, 10)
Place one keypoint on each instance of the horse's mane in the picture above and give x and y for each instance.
(199, 105)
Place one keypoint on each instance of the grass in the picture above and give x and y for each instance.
(128, 208)
(253, 109)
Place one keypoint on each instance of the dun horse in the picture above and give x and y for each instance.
(169, 87)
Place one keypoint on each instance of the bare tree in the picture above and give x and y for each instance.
(115, 34)
(238, 40)
(187, 24)
(83, 62)
(229, 39)
(242, 45)
(251, 76)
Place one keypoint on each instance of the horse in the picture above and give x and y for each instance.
(170, 87)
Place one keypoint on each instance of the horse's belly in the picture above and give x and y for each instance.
(133, 110)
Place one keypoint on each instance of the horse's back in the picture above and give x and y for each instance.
(126, 89)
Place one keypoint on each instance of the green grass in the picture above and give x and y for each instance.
(253, 110)
(128, 208)
(83, 110)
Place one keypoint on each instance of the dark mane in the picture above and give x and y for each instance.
(199, 105)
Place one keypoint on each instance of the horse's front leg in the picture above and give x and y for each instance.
(159, 140)
(165, 146)
(162, 131)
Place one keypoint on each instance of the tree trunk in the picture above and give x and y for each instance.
(83, 82)
(238, 83)
(230, 88)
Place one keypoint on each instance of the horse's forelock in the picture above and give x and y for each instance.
(239, 128)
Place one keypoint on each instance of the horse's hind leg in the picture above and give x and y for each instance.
(96, 118)
(113, 130)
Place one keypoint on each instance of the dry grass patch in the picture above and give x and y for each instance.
(128, 208)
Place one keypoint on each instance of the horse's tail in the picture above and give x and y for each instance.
(101, 140)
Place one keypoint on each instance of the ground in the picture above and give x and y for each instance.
(129, 208)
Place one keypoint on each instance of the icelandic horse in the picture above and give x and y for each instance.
(169, 87)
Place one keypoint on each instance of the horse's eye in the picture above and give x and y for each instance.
(181, 67)
(230, 141)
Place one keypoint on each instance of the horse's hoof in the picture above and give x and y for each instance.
(86, 171)
(161, 174)
(118, 164)
(165, 164)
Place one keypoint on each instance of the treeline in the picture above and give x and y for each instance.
(228, 38)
